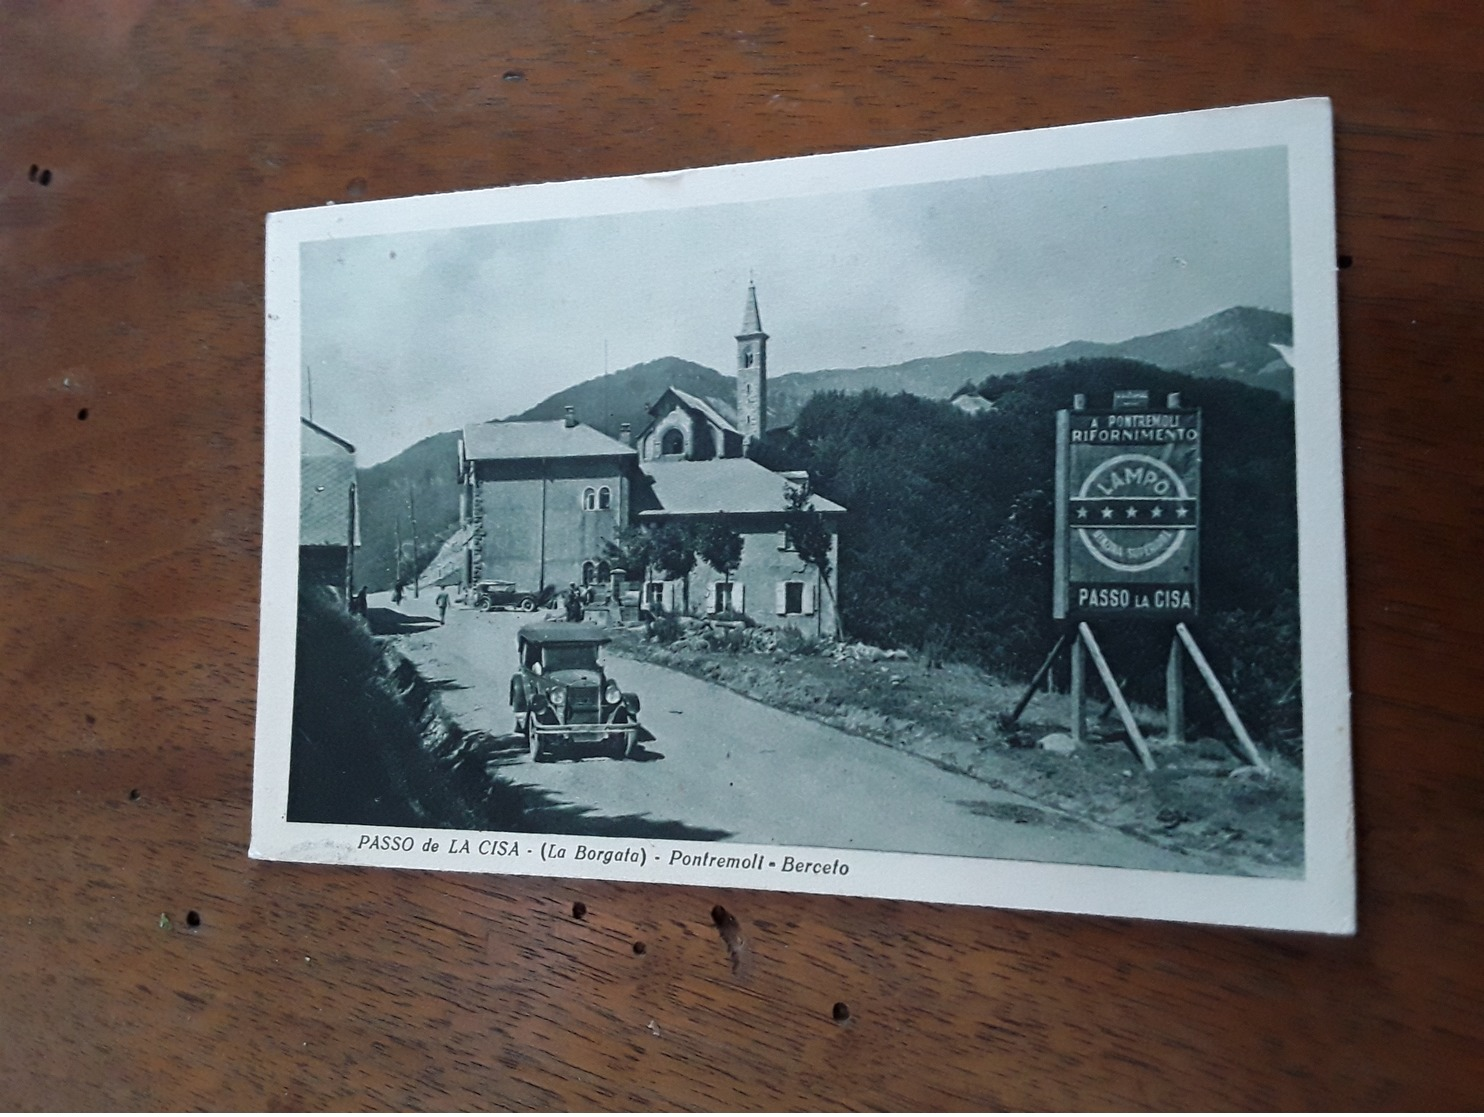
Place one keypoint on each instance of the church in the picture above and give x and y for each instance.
(540, 499)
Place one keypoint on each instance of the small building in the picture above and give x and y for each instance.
(690, 428)
(772, 584)
(329, 512)
(541, 498)
(693, 428)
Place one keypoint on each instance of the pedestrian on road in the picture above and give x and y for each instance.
(442, 602)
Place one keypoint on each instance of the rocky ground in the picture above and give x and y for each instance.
(1201, 800)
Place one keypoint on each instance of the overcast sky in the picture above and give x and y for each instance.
(409, 334)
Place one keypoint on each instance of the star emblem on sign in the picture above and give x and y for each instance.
(1131, 512)
(1082, 513)
(1181, 511)
(1156, 512)
(1107, 513)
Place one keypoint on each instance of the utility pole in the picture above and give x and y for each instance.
(412, 514)
(398, 577)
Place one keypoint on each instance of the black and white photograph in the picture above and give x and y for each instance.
(955, 522)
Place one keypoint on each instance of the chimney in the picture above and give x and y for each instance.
(626, 433)
(571, 419)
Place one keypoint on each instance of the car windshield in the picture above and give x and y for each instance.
(570, 657)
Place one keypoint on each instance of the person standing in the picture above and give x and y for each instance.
(442, 602)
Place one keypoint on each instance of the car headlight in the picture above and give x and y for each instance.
(611, 693)
(558, 695)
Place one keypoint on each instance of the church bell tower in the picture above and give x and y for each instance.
(752, 374)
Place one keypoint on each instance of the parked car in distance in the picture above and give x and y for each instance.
(562, 696)
(493, 593)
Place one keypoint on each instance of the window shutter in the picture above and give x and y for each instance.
(739, 597)
(808, 599)
(667, 597)
(713, 598)
(780, 598)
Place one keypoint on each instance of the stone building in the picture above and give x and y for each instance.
(329, 513)
(541, 498)
(772, 585)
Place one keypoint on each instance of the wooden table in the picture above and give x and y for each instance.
(131, 318)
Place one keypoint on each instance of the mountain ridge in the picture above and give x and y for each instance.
(1235, 344)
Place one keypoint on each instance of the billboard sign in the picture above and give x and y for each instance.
(1128, 489)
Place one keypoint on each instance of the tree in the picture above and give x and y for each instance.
(809, 536)
(721, 547)
(631, 550)
(674, 553)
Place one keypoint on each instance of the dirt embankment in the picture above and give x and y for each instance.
(371, 743)
(950, 716)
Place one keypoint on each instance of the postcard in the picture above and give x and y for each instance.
(953, 522)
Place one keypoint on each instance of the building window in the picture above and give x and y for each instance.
(588, 570)
(747, 358)
(605, 497)
(604, 572)
(726, 597)
(795, 599)
(662, 596)
(672, 442)
(589, 499)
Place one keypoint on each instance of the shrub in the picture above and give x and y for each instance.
(663, 628)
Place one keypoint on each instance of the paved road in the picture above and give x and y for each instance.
(723, 766)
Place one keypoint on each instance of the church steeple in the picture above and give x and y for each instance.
(752, 373)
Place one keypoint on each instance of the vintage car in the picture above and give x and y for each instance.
(493, 593)
(562, 697)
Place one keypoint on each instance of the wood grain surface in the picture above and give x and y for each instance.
(130, 507)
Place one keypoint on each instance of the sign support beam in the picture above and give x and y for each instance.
(1175, 695)
(1135, 737)
(1249, 749)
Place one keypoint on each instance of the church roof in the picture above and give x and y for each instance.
(720, 413)
(752, 323)
(720, 485)
(551, 438)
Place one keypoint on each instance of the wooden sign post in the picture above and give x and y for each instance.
(1127, 547)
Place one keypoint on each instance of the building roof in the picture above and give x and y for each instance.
(717, 411)
(515, 441)
(327, 478)
(752, 324)
(321, 441)
(720, 485)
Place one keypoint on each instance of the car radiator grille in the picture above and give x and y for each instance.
(583, 703)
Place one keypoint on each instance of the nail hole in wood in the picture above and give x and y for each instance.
(35, 170)
(640, 948)
(82, 413)
(193, 919)
(579, 909)
(841, 1012)
(1345, 261)
(45, 178)
(133, 794)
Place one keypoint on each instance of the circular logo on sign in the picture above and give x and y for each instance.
(1127, 497)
